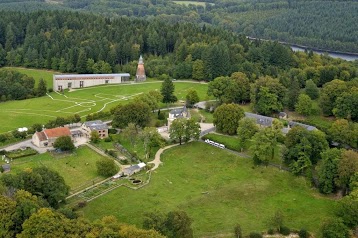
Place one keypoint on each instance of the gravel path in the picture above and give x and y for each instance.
(156, 160)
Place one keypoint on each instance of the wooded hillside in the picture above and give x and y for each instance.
(322, 24)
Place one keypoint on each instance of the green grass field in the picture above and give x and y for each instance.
(37, 74)
(71, 167)
(218, 190)
(84, 101)
(187, 3)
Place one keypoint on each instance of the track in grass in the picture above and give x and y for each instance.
(25, 113)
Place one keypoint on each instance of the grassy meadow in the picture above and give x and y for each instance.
(25, 113)
(37, 74)
(187, 3)
(78, 169)
(218, 190)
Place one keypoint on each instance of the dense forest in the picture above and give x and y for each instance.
(329, 25)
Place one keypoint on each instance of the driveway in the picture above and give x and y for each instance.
(27, 143)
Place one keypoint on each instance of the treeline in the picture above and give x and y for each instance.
(17, 86)
(30, 207)
(321, 24)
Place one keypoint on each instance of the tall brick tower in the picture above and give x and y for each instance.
(140, 75)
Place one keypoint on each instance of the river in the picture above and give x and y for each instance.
(333, 54)
(345, 56)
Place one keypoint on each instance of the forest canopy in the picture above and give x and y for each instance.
(324, 24)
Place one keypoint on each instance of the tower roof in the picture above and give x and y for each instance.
(140, 60)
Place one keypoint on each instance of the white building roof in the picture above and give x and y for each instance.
(141, 165)
(61, 76)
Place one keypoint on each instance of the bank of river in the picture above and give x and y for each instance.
(333, 54)
(345, 56)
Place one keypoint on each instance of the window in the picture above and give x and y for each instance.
(81, 84)
(107, 81)
(69, 85)
(59, 88)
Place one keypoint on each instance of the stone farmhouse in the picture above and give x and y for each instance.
(265, 121)
(47, 137)
(98, 125)
(68, 81)
(178, 113)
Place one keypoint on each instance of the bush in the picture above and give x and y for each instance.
(3, 138)
(50, 90)
(108, 139)
(112, 131)
(64, 143)
(81, 204)
(303, 233)
(255, 235)
(238, 231)
(271, 231)
(106, 167)
(284, 230)
(112, 153)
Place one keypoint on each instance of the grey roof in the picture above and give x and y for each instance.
(261, 120)
(132, 169)
(6, 167)
(96, 125)
(178, 112)
(90, 75)
(307, 127)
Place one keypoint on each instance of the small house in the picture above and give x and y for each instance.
(178, 113)
(282, 115)
(133, 169)
(47, 137)
(98, 125)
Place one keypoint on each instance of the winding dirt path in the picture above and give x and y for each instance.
(156, 160)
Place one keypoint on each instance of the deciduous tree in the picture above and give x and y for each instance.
(227, 117)
(106, 167)
(304, 105)
(192, 97)
(64, 143)
(328, 170)
(183, 130)
(246, 130)
(135, 112)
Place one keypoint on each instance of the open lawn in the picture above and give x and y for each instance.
(218, 190)
(187, 3)
(37, 74)
(84, 101)
(78, 169)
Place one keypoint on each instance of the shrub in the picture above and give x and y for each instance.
(284, 230)
(81, 204)
(106, 167)
(64, 143)
(112, 131)
(108, 139)
(303, 233)
(255, 235)
(50, 90)
(3, 138)
(238, 231)
(271, 231)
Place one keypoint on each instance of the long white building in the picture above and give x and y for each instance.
(68, 81)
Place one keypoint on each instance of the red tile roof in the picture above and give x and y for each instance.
(41, 135)
(57, 132)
